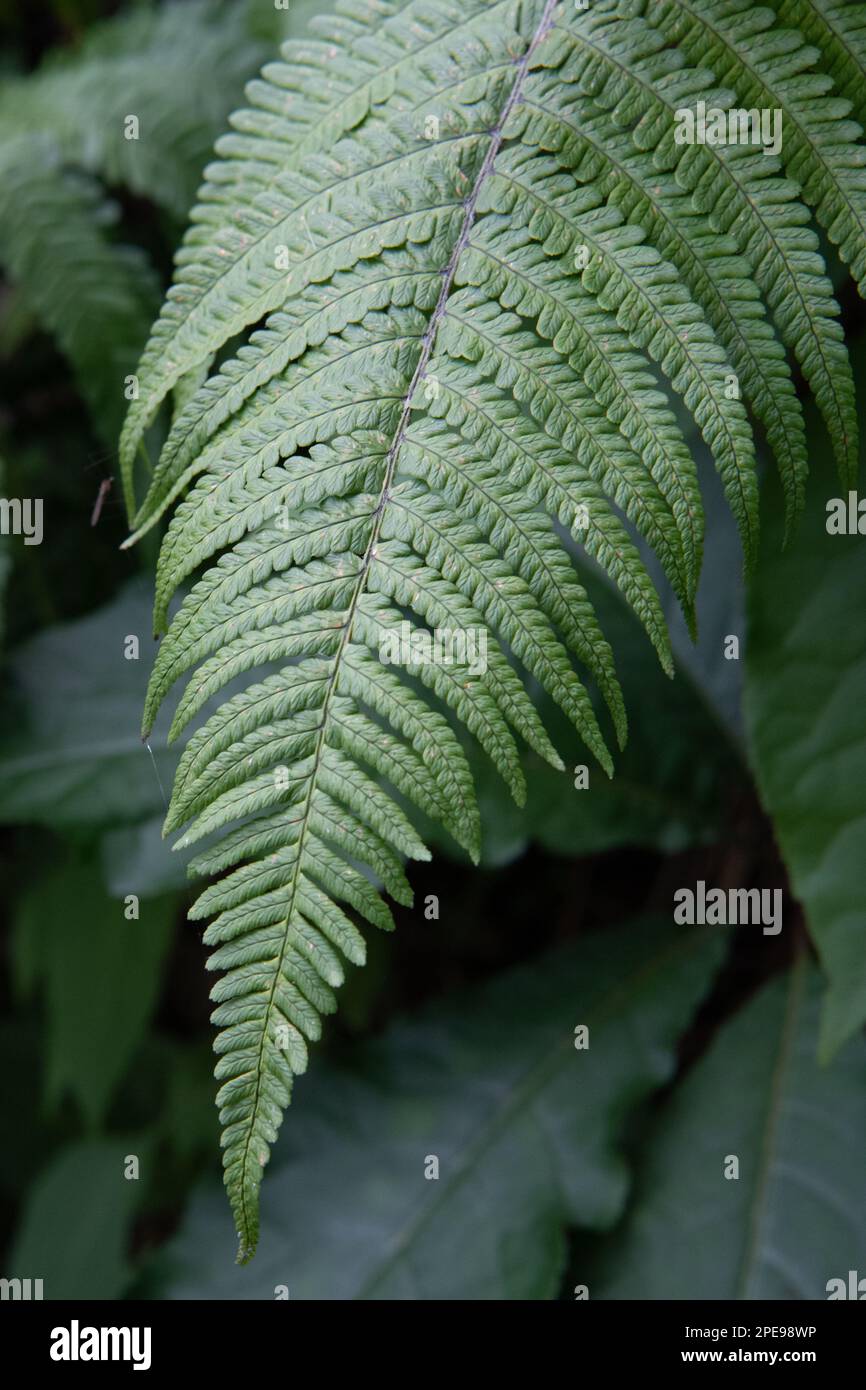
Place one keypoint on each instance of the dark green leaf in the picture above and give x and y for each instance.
(526, 1129)
(75, 1226)
(794, 1217)
(101, 974)
(805, 698)
(71, 753)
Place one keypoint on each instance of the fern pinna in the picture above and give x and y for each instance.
(438, 287)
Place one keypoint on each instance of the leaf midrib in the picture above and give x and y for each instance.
(778, 1080)
(496, 136)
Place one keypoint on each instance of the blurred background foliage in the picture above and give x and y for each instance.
(559, 1168)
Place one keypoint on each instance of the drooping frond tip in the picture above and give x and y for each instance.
(485, 266)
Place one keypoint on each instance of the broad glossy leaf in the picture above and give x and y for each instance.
(71, 753)
(794, 1218)
(76, 1223)
(805, 703)
(100, 973)
(526, 1129)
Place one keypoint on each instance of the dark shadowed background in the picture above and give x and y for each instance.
(452, 1138)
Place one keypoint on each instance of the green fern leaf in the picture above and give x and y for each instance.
(451, 299)
(96, 296)
(177, 68)
(771, 67)
(630, 70)
(837, 28)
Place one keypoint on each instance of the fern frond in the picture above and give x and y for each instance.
(95, 296)
(599, 152)
(478, 289)
(837, 28)
(178, 69)
(628, 68)
(772, 67)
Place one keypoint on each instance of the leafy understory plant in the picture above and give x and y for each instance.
(135, 106)
(444, 284)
